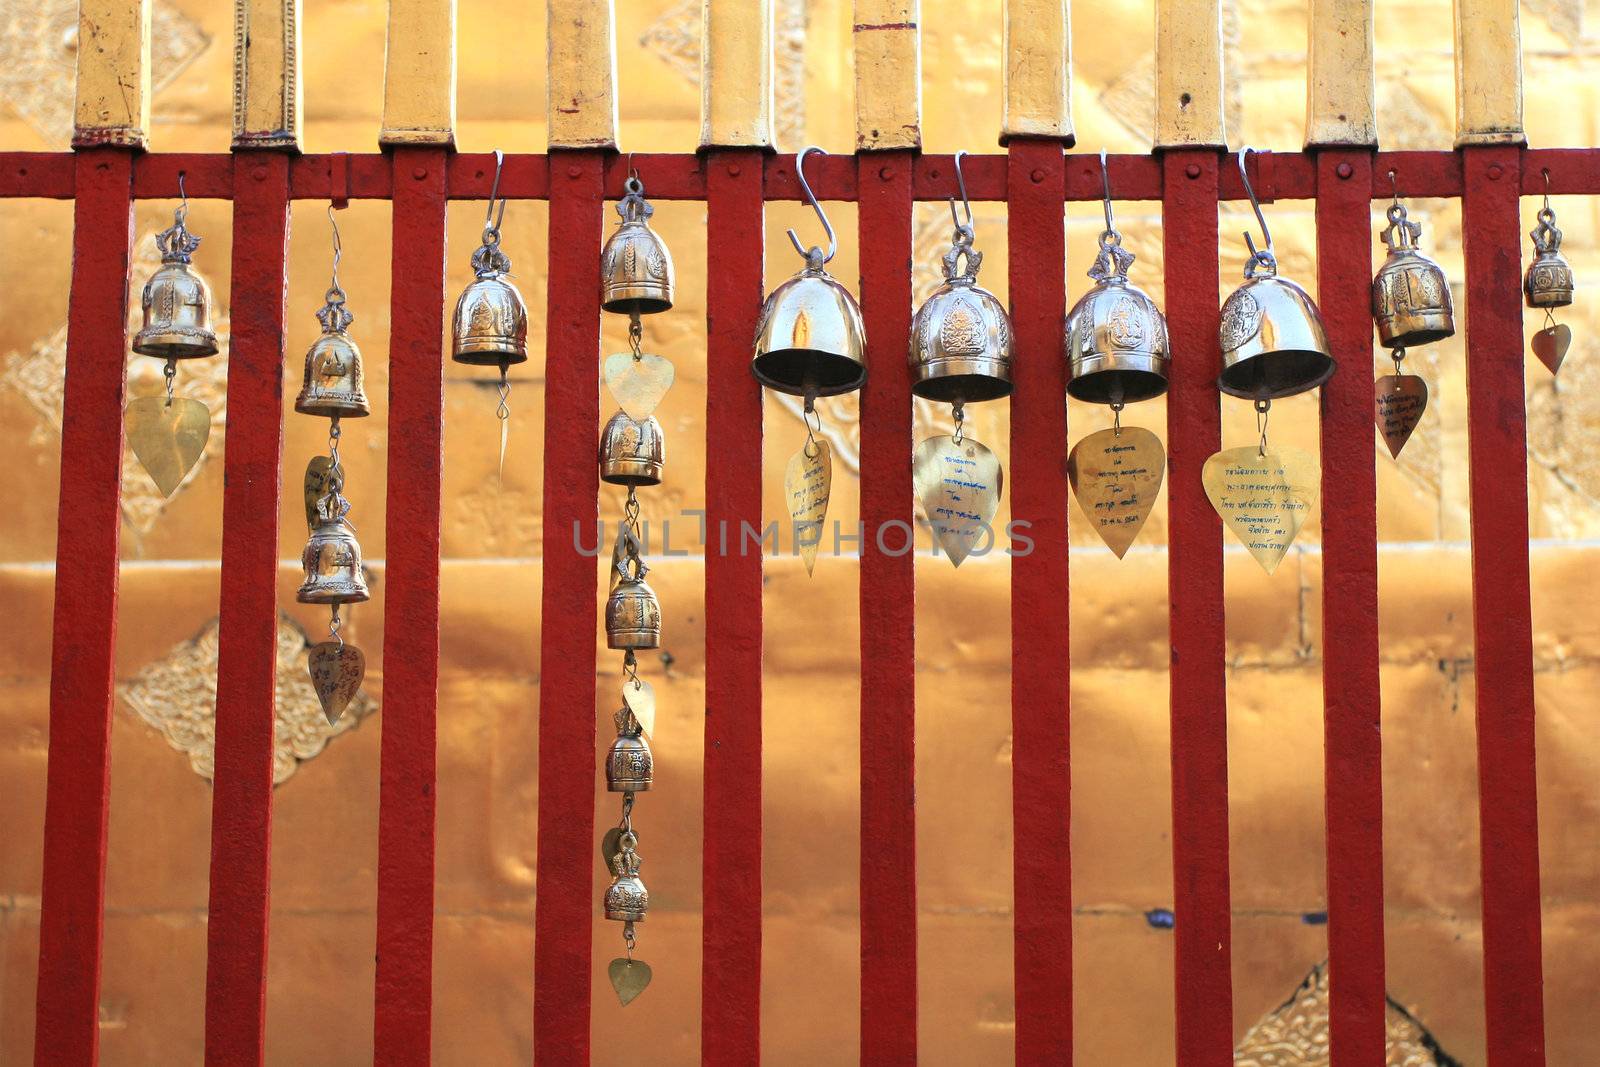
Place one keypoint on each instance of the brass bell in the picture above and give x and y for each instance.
(332, 558)
(333, 382)
(1116, 335)
(632, 452)
(961, 336)
(635, 267)
(1273, 343)
(633, 614)
(1410, 295)
(490, 327)
(1548, 282)
(627, 899)
(810, 340)
(176, 300)
(629, 765)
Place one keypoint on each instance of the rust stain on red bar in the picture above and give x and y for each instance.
(888, 621)
(82, 658)
(1040, 695)
(241, 797)
(730, 957)
(403, 995)
(1203, 934)
(565, 905)
(1502, 619)
(1352, 747)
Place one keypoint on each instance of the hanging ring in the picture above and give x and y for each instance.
(1263, 257)
(491, 224)
(814, 256)
(961, 184)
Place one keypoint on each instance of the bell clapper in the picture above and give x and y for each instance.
(958, 411)
(1263, 411)
(169, 372)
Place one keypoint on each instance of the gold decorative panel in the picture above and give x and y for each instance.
(1296, 1035)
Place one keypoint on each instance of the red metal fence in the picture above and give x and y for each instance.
(1033, 178)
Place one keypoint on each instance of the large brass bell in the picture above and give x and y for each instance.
(1116, 335)
(629, 765)
(333, 384)
(332, 557)
(627, 899)
(176, 300)
(961, 336)
(1548, 282)
(1410, 295)
(1273, 343)
(490, 327)
(810, 340)
(632, 452)
(633, 614)
(636, 273)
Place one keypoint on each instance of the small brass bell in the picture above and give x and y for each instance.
(629, 765)
(627, 899)
(632, 452)
(333, 382)
(1410, 295)
(810, 340)
(1273, 343)
(635, 267)
(490, 327)
(961, 336)
(1116, 335)
(176, 300)
(633, 614)
(332, 558)
(1548, 282)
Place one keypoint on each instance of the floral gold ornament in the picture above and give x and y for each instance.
(960, 351)
(490, 325)
(168, 434)
(810, 341)
(1117, 352)
(1411, 306)
(1547, 285)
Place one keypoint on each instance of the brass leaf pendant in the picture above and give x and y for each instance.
(1116, 475)
(336, 673)
(959, 485)
(640, 697)
(610, 846)
(628, 978)
(1263, 499)
(1400, 400)
(316, 486)
(167, 437)
(807, 482)
(638, 385)
(1550, 345)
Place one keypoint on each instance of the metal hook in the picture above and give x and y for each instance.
(490, 223)
(961, 184)
(813, 256)
(1545, 171)
(1264, 257)
(183, 201)
(338, 246)
(1394, 185)
(1105, 187)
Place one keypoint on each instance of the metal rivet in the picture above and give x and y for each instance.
(1345, 170)
(1037, 176)
(259, 174)
(733, 170)
(420, 173)
(573, 172)
(1495, 171)
(1192, 170)
(886, 173)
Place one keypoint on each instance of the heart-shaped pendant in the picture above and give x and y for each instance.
(628, 978)
(167, 437)
(1115, 475)
(807, 481)
(1400, 400)
(1264, 499)
(959, 484)
(1550, 345)
(641, 700)
(638, 385)
(336, 673)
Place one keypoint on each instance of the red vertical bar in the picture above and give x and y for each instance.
(563, 922)
(888, 620)
(403, 995)
(1199, 692)
(1352, 749)
(82, 661)
(1502, 619)
(241, 796)
(730, 957)
(1040, 692)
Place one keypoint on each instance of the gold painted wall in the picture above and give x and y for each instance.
(324, 841)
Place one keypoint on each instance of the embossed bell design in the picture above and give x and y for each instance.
(332, 557)
(1116, 335)
(810, 340)
(627, 899)
(176, 300)
(961, 336)
(632, 452)
(1410, 295)
(1548, 282)
(633, 614)
(636, 274)
(490, 327)
(1273, 342)
(333, 383)
(629, 765)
